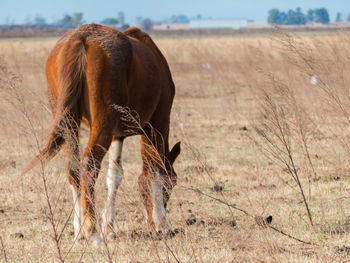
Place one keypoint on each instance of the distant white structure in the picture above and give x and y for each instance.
(171, 26)
(218, 23)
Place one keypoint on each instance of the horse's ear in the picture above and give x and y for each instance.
(174, 153)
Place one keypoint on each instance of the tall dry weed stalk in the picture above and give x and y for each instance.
(277, 130)
(10, 87)
(285, 128)
(197, 155)
(292, 111)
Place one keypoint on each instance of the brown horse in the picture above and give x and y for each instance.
(93, 72)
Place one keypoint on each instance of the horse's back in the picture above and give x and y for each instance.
(124, 69)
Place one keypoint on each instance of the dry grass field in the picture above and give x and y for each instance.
(265, 130)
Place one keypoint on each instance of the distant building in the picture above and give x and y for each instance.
(218, 23)
(171, 26)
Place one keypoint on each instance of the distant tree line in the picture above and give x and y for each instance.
(70, 21)
(342, 17)
(73, 20)
(112, 21)
(179, 19)
(297, 17)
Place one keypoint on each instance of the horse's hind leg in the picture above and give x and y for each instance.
(99, 142)
(114, 178)
(71, 148)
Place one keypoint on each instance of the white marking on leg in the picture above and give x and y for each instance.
(113, 180)
(77, 212)
(158, 211)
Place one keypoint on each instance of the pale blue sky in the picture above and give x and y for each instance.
(94, 11)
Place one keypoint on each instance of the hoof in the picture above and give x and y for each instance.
(163, 231)
(163, 226)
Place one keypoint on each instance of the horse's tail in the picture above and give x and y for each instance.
(70, 65)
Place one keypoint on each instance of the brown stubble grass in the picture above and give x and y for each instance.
(219, 83)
